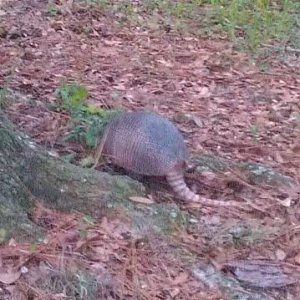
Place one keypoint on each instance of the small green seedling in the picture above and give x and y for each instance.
(254, 132)
(3, 97)
(87, 120)
(52, 9)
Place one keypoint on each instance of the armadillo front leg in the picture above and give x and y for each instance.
(99, 149)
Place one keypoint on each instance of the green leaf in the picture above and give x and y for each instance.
(2, 235)
(87, 161)
(68, 157)
(253, 128)
(88, 219)
(32, 247)
(83, 232)
(93, 109)
(82, 92)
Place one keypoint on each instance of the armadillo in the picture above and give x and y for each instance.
(149, 144)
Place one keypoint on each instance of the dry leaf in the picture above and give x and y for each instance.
(209, 175)
(204, 92)
(297, 258)
(197, 120)
(9, 278)
(174, 292)
(143, 200)
(181, 278)
(296, 149)
(102, 254)
(278, 157)
(280, 254)
(286, 202)
(12, 243)
(165, 63)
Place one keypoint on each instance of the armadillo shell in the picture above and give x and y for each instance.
(144, 143)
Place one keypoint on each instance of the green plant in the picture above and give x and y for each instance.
(52, 9)
(3, 97)
(87, 120)
(251, 24)
(73, 96)
(297, 116)
(83, 232)
(85, 285)
(88, 220)
(3, 235)
(72, 284)
(254, 132)
(100, 3)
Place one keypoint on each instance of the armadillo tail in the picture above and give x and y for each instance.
(176, 181)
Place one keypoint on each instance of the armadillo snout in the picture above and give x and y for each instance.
(176, 181)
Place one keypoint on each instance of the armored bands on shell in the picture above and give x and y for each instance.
(149, 144)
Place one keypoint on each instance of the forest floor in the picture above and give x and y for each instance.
(222, 102)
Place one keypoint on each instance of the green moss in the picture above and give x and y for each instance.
(124, 187)
(258, 173)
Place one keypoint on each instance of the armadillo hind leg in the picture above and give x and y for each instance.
(176, 181)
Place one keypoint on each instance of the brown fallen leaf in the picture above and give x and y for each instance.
(9, 278)
(280, 254)
(286, 202)
(174, 292)
(143, 200)
(165, 63)
(181, 278)
(210, 176)
(297, 258)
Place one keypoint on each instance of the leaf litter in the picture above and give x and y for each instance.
(230, 108)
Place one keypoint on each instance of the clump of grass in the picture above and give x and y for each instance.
(248, 23)
(4, 100)
(87, 120)
(52, 9)
(74, 285)
(297, 118)
(254, 132)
